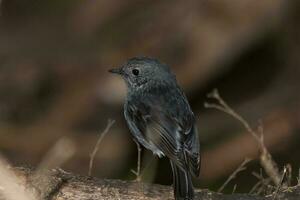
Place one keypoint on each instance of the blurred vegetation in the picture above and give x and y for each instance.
(54, 57)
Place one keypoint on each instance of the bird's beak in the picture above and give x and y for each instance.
(116, 71)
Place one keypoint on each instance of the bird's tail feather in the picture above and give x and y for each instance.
(182, 183)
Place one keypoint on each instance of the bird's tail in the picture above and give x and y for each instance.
(182, 183)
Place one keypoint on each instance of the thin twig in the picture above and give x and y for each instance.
(281, 182)
(96, 148)
(265, 157)
(233, 175)
(260, 183)
(255, 187)
(263, 183)
(288, 175)
(265, 187)
(298, 178)
(234, 188)
(223, 106)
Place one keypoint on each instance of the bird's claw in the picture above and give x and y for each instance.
(137, 174)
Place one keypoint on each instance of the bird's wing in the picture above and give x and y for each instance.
(174, 136)
(167, 136)
(177, 142)
(193, 157)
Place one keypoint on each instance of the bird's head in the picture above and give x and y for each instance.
(139, 71)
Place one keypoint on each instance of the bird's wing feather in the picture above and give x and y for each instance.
(193, 157)
(171, 132)
(167, 137)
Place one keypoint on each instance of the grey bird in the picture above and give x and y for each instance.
(159, 117)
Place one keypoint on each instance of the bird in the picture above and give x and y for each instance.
(160, 119)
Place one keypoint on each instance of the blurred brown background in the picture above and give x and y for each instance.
(54, 57)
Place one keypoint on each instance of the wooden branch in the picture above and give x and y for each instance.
(61, 185)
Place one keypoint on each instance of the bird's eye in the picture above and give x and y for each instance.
(135, 72)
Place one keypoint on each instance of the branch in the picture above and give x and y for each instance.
(266, 159)
(9, 184)
(242, 167)
(73, 187)
(96, 148)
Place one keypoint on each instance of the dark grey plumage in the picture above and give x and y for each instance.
(160, 118)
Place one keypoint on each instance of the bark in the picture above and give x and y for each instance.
(57, 184)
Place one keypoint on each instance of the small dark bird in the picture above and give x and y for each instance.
(159, 117)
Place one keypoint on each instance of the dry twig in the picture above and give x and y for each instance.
(298, 178)
(234, 189)
(281, 182)
(233, 175)
(261, 184)
(265, 157)
(96, 148)
(254, 188)
(288, 176)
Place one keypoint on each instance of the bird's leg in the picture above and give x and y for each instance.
(138, 170)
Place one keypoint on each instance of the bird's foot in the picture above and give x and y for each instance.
(138, 177)
(137, 172)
